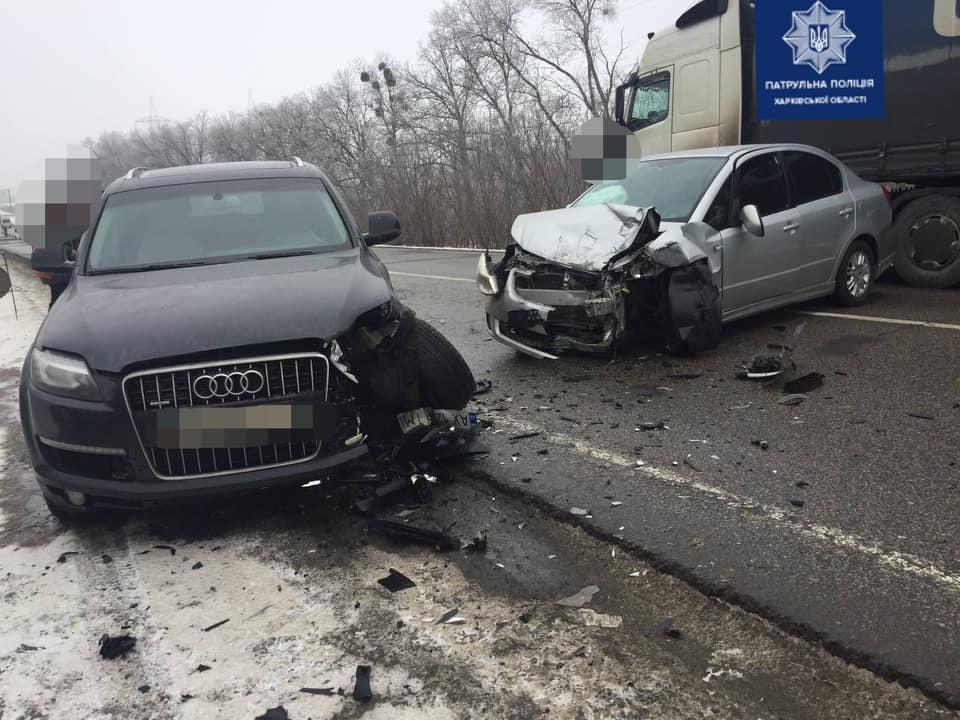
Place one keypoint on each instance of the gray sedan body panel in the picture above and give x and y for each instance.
(808, 228)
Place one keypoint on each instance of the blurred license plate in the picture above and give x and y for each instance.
(246, 426)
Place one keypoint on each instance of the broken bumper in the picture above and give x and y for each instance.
(541, 323)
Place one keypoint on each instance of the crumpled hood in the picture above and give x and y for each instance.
(116, 320)
(584, 238)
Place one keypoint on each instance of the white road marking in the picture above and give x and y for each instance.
(432, 277)
(883, 320)
(891, 559)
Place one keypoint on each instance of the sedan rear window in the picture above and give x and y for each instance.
(673, 187)
(206, 223)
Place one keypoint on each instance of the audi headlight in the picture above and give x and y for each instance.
(62, 375)
(486, 282)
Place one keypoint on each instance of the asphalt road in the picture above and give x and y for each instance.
(844, 531)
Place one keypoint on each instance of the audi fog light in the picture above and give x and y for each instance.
(486, 282)
(62, 375)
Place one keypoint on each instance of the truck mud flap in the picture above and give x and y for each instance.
(695, 309)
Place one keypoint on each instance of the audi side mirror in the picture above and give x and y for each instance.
(50, 263)
(382, 227)
(752, 222)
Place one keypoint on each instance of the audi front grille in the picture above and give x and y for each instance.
(282, 377)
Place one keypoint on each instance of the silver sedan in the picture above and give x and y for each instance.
(686, 242)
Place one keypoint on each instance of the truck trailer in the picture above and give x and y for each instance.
(876, 83)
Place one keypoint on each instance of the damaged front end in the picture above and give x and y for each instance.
(588, 279)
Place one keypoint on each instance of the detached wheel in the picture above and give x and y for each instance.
(928, 242)
(446, 382)
(857, 274)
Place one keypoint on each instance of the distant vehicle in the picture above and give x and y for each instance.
(686, 242)
(714, 78)
(200, 353)
(7, 228)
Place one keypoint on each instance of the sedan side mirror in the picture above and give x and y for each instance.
(382, 227)
(750, 217)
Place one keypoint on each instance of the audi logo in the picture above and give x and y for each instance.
(222, 385)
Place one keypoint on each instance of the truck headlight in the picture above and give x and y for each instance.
(62, 375)
(486, 282)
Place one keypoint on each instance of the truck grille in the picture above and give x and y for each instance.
(280, 377)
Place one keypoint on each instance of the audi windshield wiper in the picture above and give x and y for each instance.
(146, 268)
(270, 256)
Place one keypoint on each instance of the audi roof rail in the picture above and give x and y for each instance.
(133, 173)
(297, 161)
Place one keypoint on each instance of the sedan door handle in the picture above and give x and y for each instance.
(846, 212)
(791, 227)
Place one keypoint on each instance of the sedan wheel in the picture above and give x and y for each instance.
(856, 276)
(859, 274)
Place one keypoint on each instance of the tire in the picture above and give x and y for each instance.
(915, 214)
(856, 276)
(446, 382)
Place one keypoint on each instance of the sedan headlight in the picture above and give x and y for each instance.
(486, 282)
(62, 375)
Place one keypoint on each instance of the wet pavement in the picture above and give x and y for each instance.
(843, 531)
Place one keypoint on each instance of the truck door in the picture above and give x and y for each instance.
(756, 269)
(649, 114)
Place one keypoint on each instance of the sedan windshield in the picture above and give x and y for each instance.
(215, 222)
(671, 186)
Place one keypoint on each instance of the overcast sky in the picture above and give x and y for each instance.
(72, 69)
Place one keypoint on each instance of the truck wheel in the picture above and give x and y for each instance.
(446, 382)
(858, 272)
(928, 242)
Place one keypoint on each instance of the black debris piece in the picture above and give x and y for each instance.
(63, 556)
(143, 552)
(202, 668)
(762, 444)
(577, 378)
(396, 581)
(692, 465)
(144, 688)
(411, 533)
(524, 436)
(448, 615)
(173, 550)
(277, 713)
(569, 420)
(807, 383)
(776, 357)
(545, 451)
(793, 400)
(216, 625)
(920, 416)
(186, 696)
(526, 480)
(361, 689)
(107, 559)
(112, 647)
(483, 387)
(841, 373)
(197, 565)
(317, 691)
(803, 484)
(383, 493)
(650, 426)
(478, 544)
(524, 618)
(439, 444)
(797, 503)
(26, 648)
(668, 629)
(688, 376)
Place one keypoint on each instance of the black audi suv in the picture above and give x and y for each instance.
(225, 329)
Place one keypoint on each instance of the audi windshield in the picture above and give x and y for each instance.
(673, 187)
(215, 222)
